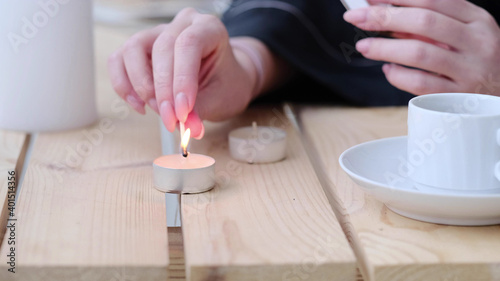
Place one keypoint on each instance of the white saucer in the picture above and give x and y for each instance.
(374, 166)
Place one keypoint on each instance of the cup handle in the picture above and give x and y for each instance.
(497, 171)
(498, 137)
(497, 166)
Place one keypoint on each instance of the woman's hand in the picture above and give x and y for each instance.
(453, 44)
(186, 71)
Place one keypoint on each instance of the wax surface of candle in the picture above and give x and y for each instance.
(177, 161)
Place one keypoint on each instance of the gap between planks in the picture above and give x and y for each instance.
(330, 191)
(20, 162)
(263, 223)
(177, 267)
(397, 248)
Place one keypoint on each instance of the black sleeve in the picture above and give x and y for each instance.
(313, 37)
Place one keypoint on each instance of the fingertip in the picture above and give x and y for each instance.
(194, 123)
(363, 45)
(386, 68)
(202, 133)
(356, 16)
(153, 105)
(136, 103)
(167, 115)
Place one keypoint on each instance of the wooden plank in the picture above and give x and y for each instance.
(13, 146)
(262, 221)
(87, 208)
(91, 209)
(390, 246)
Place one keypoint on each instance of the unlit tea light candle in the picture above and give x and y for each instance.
(257, 144)
(184, 173)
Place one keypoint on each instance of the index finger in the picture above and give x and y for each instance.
(196, 43)
(416, 21)
(163, 65)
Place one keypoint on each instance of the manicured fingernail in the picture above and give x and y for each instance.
(202, 133)
(137, 104)
(168, 115)
(181, 107)
(153, 104)
(443, 45)
(386, 67)
(355, 16)
(363, 45)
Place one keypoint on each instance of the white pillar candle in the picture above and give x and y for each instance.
(47, 65)
(185, 172)
(257, 144)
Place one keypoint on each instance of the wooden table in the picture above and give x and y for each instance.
(87, 209)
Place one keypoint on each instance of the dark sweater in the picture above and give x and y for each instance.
(313, 37)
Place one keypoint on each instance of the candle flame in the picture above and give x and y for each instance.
(185, 142)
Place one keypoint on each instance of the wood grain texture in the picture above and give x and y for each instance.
(87, 208)
(395, 247)
(262, 221)
(13, 146)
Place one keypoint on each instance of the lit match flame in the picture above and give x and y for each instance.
(185, 142)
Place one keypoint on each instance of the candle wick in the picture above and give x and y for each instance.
(255, 132)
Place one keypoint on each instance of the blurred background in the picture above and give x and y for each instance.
(150, 12)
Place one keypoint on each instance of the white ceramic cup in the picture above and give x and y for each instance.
(454, 141)
(47, 65)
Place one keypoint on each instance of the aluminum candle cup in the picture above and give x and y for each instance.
(178, 174)
(257, 144)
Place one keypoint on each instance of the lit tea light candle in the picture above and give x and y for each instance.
(257, 144)
(185, 172)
